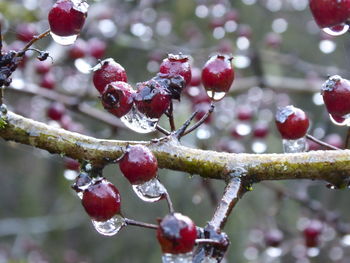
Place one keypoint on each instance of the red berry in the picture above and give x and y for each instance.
(42, 67)
(79, 49)
(97, 48)
(218, 74)
(118, 98)
(177, 65)
(139, 165)
(329, 13)
(67, 17)
(152, 99)
(244, 113)
(108, 71)
(101, 201)
(260, 130)
(336, 96)
(26, 32)
(312, 233)
(48, 81)
(71, 164)
(56, 111)
(292, 123)
(273, 238)
(176, 234)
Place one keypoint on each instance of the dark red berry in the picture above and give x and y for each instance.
(292, 123)
(79, 49)
(260, 130)
(42, 67)
(101, 201)
(244, 113)
(118, 98)
(67, 17)
(312, 233)
(56, 111)
(176, 234)
(152, 99)
(108, 71)
(139, 165)
(48, 81)
(218, 74)
(336, 96)
(26, 32)
(177, 65)
(328, 13)
(97, 48)
(71, 164)
(273, 238)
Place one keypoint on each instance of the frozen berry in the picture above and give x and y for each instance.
(108, 71)
(292, 123)
(152, 99)
(97, 48)
(218, 74)
(177, 65)
(139, 165)
(336, 96)
(312, 233)
(328, 13)
(118, 98)
(25, 32)
(56, 111)
(42, 67)
(101, 201)
(176, 234)
(78, 50)
(67, 17)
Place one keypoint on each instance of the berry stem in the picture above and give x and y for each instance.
(181, 131)
(31, 42)
(201, 121)
(162, 130)
(170, 203)
(170, 116)
(311, 138)
(131, 222)
(347, 140)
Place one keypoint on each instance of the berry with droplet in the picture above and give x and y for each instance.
(291, 122)
(336, 96)
(218, 74)
(177, 65)
(67, 17)
(328, 13)
(108, 71)
(138, 165)
(101, 200)
(56, 111)
(176, 234)
(118, 98)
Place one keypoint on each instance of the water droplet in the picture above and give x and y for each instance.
(138, 122)
(216, 95)
(337, 30)
(150, 191)
(70, 174)
(294, 146)
(109, 227)
(83, 66)
(259, 146)
(177, 258)
(340, 120)
(68, 40)
(274, 252)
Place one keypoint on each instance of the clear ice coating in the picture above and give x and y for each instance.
(177, 258)
(340, 121)
(109, 227)
(138, 122)
(80, 6)
(70, 174)
(337, 30)
(216, 95)
(294, 146)
(65, 41)
(150, 191)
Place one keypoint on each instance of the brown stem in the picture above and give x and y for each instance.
(31, 42)
(170, 116)
(181, 131)
(131, 222)
(311, 138)
(162, 130)
(201, 121)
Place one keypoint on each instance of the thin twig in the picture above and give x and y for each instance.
(201, 121)
(162, 130)
(180, 132)
(170, 203)
(31, 42)
(131, 222)
(170, 116)
(312, 138)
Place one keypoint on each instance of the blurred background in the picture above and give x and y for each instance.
(281, 57)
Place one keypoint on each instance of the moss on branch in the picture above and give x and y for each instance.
(332, 166)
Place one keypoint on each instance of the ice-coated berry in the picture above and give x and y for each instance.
(218, 73)
(292, 122)
(336, 96)
(176, 234)
(328, 13)
(118, 98)
(56, 111)
(152, 99)
(101, 200)
(177, 65)
(67, 17)
(139, 165)
(108, 71)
